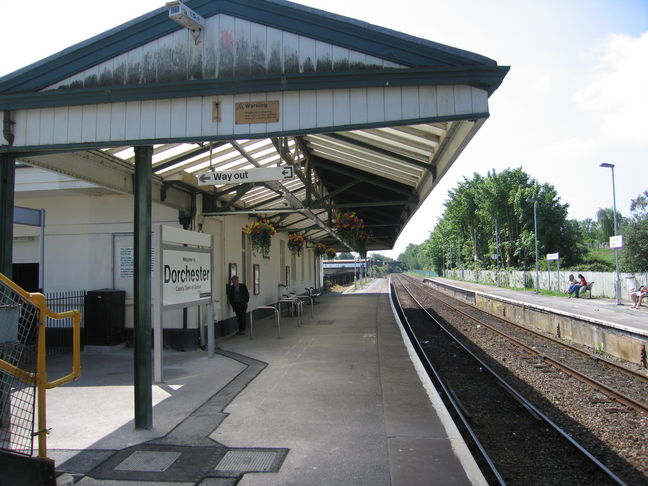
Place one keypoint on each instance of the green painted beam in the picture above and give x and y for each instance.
(7, 182)
(337, 168)
(142, 289)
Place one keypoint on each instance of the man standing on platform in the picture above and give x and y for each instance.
(238, 296)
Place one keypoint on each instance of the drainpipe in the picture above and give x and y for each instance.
(7, 127)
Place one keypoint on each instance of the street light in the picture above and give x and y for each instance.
(499, 256)
(617, 283)
(535, 224)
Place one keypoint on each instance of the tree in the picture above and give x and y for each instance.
(410, 257)
(605, 219)
(589, 230)
(466, 235)
(635, 231)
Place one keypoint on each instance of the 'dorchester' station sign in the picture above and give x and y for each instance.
(264, 174)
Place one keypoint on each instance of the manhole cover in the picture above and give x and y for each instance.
(248, 461)
(325, 323)
(148, 461)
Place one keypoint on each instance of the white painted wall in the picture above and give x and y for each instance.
(79, 233)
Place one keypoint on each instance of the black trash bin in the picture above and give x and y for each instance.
(105, 315)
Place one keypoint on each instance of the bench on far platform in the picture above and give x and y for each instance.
(586, 288)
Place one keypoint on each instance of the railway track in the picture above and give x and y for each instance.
(518, 442)
(615, 380)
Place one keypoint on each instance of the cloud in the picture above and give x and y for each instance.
(616, 95)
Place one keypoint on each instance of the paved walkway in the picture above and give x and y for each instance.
(336, 401)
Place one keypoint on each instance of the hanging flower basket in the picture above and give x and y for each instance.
(295, 243)
(360, 243)
(349, 226)
(330, 253)
(320, 249)
(259, 234)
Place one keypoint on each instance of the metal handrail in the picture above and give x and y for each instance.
(276, 317)
(40, 377)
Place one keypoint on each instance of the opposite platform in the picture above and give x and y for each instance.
(337, 401)
(600, 324)
(599, 309)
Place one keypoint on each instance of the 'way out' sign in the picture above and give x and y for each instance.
(241, 176)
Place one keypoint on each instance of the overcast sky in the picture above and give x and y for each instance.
(576, 94)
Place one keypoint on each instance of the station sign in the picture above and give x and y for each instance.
(553, 256)
(264, 174)
(186, 276)
(616, 242)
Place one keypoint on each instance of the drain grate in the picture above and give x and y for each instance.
(325, 323)
(248, 461)
(148, 461)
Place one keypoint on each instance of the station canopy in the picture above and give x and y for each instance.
(369, 119)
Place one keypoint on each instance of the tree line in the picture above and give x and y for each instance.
(489, 221)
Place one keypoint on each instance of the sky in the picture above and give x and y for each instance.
(576, 94)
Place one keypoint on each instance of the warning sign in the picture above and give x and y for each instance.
(249, 112)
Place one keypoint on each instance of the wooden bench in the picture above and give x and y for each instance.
(586, 288)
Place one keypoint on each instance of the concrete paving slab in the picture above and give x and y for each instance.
(96, 411)
(334, 403)
(345, 399)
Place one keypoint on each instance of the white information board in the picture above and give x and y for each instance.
(124, 262)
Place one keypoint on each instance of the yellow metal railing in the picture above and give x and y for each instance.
(39, 378)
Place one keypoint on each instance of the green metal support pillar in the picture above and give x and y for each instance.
(7, 182)
(142, 289)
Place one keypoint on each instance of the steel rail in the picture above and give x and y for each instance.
(527, 404)
(594, 357)
(601, 387)
(439, 380)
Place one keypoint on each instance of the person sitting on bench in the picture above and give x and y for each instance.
(572, 285)
(582, 283)
(638, 295)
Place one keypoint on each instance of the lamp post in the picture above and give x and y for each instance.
(499, 256)
(535, 224)
(617, 283)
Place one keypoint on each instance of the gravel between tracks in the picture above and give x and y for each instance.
(613, 433)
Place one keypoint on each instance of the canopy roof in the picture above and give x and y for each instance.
(370, 119)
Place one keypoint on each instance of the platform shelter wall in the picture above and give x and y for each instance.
(83, 227)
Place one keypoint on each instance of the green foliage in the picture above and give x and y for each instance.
(635, 231)
(410, 257)
(484, 210)
(381, 258)
(592, 267)
(603, 256)
(589, 230)
(605, 219)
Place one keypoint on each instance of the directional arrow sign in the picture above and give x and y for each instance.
(248, 175)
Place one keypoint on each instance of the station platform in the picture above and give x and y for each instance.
(336, 401)
(605, 311)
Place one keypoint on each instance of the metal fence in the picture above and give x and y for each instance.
(424, 273)
(59, 332)
(18, 337)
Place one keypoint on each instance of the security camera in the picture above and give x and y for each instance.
(183, 15)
